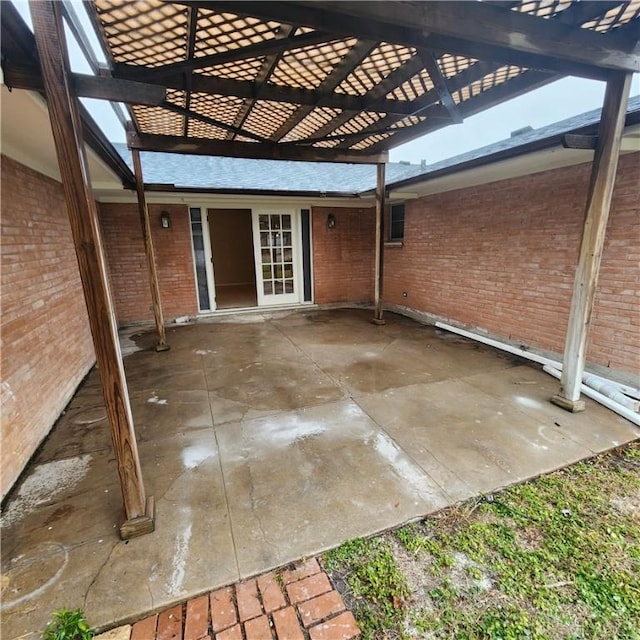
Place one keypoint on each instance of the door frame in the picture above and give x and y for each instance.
(294, 209)
(297, 297)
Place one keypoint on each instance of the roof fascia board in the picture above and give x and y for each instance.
(554, 140)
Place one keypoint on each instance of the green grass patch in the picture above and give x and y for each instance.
(557, 557)
(372, 584)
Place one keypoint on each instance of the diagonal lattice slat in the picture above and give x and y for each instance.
(490, 81)
(306, 68)
(350, 72)
(543, 8)
(618, 15)
(222, 108)
(376, 67)
(218, 32)
(413, 88)
(243, 70)
(149, 32)
(319, 117)
(266, 117)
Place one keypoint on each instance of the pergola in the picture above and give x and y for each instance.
(321, 81)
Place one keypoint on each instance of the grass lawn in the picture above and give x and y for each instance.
(556, 557)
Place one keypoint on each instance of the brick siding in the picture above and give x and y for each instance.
(501, 257)
(343, 257)
(46, 341)
(128, 264)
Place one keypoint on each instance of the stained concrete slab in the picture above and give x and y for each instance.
(282, 471)
(264, 438)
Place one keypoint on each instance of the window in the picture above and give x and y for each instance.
(200, 259)
(396, 230)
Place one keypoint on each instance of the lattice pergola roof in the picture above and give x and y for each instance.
(344, 78)
(339, 80)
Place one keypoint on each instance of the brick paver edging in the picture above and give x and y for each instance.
(298, 603)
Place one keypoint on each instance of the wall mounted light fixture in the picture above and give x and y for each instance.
(331, 221)
(165, 220)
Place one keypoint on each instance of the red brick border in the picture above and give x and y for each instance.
(295, 603)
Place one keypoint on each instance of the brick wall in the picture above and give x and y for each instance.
(46, 345)
(501, 257)
(343, 257)
(128, 266)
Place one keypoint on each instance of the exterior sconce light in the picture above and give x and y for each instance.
(331, 221)
(165, 220)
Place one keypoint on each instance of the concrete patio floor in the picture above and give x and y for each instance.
(265, 439)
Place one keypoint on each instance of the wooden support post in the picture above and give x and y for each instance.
(379, 255)
(603, 174)
(85, 226)
(148, 249)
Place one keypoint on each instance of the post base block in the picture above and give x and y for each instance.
(575, 406)
(141, 525)
(162, 346)
(378, 321)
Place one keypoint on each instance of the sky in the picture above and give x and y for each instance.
(556, 101)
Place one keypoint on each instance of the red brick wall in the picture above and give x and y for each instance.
(46, 343)
(343, 257)
(128, 266)
(501, 257)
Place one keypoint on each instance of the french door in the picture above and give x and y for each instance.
(276, 242)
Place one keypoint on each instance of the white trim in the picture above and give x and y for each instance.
(226, 201)
(296, 237)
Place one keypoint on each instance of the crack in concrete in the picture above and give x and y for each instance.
(95, 578)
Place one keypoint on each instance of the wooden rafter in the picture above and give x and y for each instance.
(527, 81)
(236, 149)
(342, 70)
(264, 48)
(468, 28)
(268, 66)
(191, 47)
(440, 85)
(94, 20)
(75, 25)
(276, 93)
(376, 96)
(186, 113)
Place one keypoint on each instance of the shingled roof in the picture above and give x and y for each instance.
(215, 173)
(239, 175)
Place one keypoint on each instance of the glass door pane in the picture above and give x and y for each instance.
(277, 248)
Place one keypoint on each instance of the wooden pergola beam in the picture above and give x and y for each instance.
(324, 92)
(468, 28)
(527, 81)
(149, 251)
(211, 85)
(440, 85)
(258, 150)
(187, 113)
(603, 175)
(85, 226)
(115, 90)
(375, 97)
